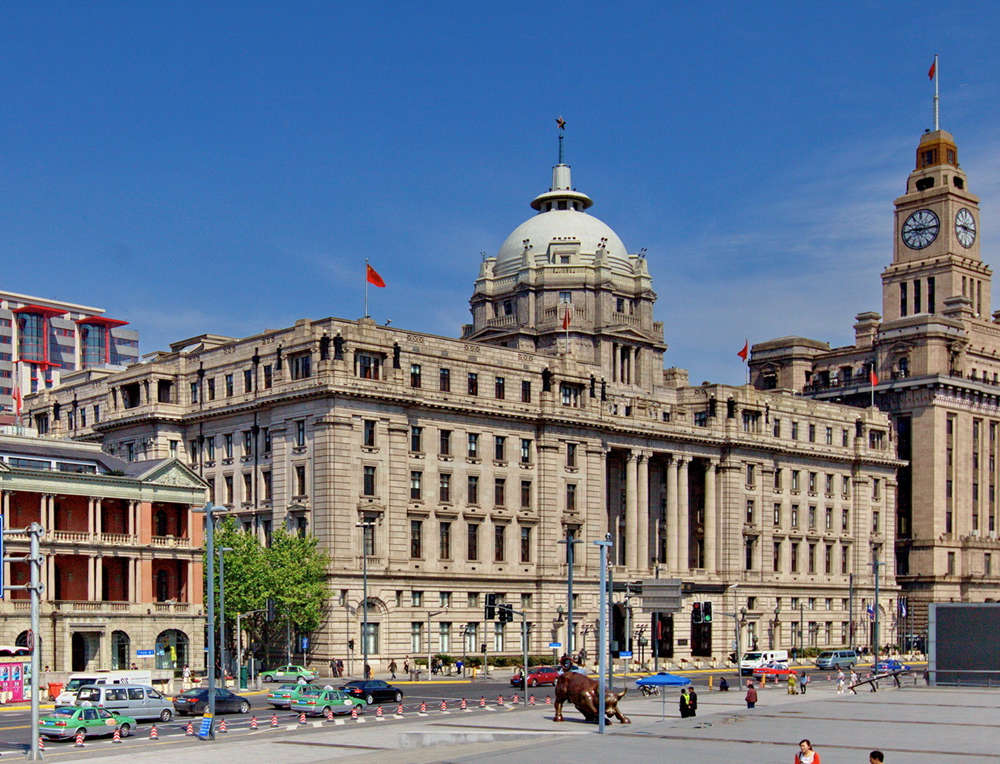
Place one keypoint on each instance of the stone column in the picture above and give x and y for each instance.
(50, 577)
(684, 515)
(5, 509)
(673, 536)
(631, 511)
(130, 517)
(711, 510)
(98, 579)
(98, 520)
(642, 547)
(90, 516)
(614, 362)
(91, 564)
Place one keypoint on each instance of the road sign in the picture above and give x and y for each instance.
(625, 654)
(145, 653)
(661, 595)
(206, 725)
(305, 644)
(554, 645)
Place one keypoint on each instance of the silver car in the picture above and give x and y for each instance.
(136, 700)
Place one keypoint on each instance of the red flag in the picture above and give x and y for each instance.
(566, 319)
(930, 72)
(745, 352)
(873, 377)
(17, 400)
(372, 276)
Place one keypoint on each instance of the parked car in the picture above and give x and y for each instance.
(891, 664)
(284, 695)
(760, 658)
(536, 675)
(836, 659)
(315, 701)
(288, 672)
(136, 700)
(66, 721)
(772, 668)
(196, 700)
(372, 690)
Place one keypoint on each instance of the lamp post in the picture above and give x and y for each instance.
(875, 566)
(222, 611)
(570, 541)
(602, 647)
(365, 526)
(209, 511)
(429, 616)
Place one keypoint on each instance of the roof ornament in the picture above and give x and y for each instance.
(562, 134)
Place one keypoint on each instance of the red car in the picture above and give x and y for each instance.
(536, 675)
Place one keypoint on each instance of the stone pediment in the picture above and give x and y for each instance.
(172, 472)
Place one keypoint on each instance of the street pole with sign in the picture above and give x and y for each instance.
(222, 611)
(570, 543)
(429, 616)
(207, 731)
(602, 631)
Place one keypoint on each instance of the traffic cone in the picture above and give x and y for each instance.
(79, 740)
(117, 738)
(302, 717)
(354, 713)
(274, 720)
(516, 699)
(423, 708)
(253, 722)
(444, 706)
(482, 701)
(378, 714)
(190, 730)
(222, 725)
(154, 734)
(41, 743)
(464, 706)
(531, 700)
(328, 714)
(399, 711)
(500, 700)
(548, 700)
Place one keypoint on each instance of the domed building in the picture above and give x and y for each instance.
(563, 282)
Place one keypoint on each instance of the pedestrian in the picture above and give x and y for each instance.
(460, 667)
(340, 667)
(854, 681)
(723, 685)
(392, 668)
(368, 671)
(806, 754)
(406, 665)
(876, 757)
(187, 674)
(840, 682)
(692, 702)
(803, 681)
(751, 697)
(792, 684)
(685, 709)
(333, 667)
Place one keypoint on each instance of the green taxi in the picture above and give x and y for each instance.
(315, 702)
(66, 721)
(288, 672)
(284, 695)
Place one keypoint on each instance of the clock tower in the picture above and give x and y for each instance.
(936, 238)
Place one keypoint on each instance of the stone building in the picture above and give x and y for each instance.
(935, 354)
(122, 555)
(454, 467)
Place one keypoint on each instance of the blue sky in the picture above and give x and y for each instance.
(227, 168)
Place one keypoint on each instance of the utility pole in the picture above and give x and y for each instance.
(628, 631)
(850, 612)
(365, 525)
(429, 616)
(239, 640)
(875, 566)
(570, 541)
(209, 510)
(222, 610)
(602, 630)
(611, 621)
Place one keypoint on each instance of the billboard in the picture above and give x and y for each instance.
(963, 649)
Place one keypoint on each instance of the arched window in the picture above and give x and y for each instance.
(121, 652)
(172, 649)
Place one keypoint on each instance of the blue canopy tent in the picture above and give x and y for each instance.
(663, 679)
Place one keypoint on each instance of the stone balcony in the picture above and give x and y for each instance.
(22, 608)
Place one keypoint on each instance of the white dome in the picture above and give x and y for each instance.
(560, 226)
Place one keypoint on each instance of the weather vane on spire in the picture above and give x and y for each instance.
(562, 134)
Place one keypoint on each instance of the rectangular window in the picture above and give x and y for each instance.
(776, 557)
(795, 481)
(876, 489)
(570, 497)
(930, 294)
(828, 566)
(525, 391)
(229, 385)
(795, 515)
(248, 380)
(444, 488)
(473, 490)
(569, 394)
(812, 558)
(267, 440)
(571, 455)
(845, 559)
(368, 488)
(795, 430)
(526, 544)
(473, 447)
(916, 295)
(417, 599)
(777, 428)
(499, 542)
(210, 445)
(415, 439)
(445, 380)
(902, 298)
(416, 630)
(951, 563)
(748, 554)
(812, 517)
(300, 480)
(829, 485)
(444, 444)
(777, 479)
(751, 475)
(750, 511)
(228, 445)
(500, 492)
(829, 519)
(777, 515)
(845, 486)
(268, 484)
(368, 537)
(845, 517)
(416, 484)
(812, 483)
(229, 488)
(500, 448)
(369, 433)
(414, 375)
(795, 557)
(875, 528)
(525, 451)
(194, 392)
(268, 380)
(444, 540)
(416, 529)
(301, 365)
(247, 442)
(829, 436)
(473, 383)
(525, 494)
(369, 366)
(498, 387)
(473, 544)
(300, 433)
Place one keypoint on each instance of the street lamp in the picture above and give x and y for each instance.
(429, 616)
(209, 511)
(222, 611)
(570, 541)
(365, 525)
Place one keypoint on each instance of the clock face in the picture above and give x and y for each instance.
(965, 227)
(920, 229)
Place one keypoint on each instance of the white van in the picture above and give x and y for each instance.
(68, 695)
(761, 658)
(135, 700)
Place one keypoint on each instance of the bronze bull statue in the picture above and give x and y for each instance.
(582, 692)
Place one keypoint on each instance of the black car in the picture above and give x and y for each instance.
(372, 690)
(195, 701)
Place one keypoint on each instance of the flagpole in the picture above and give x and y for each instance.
(937, 74)
(748, 361)
(366, 288)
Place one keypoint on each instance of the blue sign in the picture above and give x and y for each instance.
(555, 644)
(2, 582)
(305, 644)
(206, 725)
(625, 654)
(145, 653)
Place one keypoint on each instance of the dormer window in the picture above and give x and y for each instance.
(951, 156)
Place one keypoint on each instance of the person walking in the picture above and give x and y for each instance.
(751, 696)
(792, 684)
(806, 754)
(368, 671)
(685, 708)
(692, 701)
(876, 757)
(723, 685)
(803, 681)
(333, 667)
(840, 682)
(406, 666)
(392, 669)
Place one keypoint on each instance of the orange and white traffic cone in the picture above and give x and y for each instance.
(117, 738)
(516, 699)
(253, 722)
(464, 705)
(482, 701)
(444, 706)
(548, 700)
(423, 708)
(500, 700)
(302, 717)
(399, 711)
(222, 726)
(189, 732)
(274, 720)
(531, 700)
(328, 713)
(41, 743)
(79, 740)
(154, 734)
(378, 715)
(354, 713)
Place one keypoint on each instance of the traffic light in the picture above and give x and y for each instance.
(350, 645)
(491, 607)
(270, 609)
(706, 612)
(696, 612)
(506, 614)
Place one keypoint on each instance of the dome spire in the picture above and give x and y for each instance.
(562, 134)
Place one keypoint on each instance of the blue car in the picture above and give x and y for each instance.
(891, 664)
